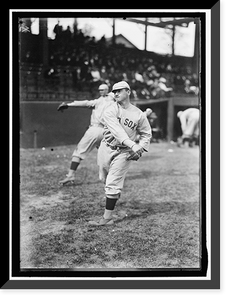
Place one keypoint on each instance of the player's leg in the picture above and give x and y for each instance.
(189, 131)
(183, 140)
(89, 141)
(70, 177)
(104, 157)
(117, 172)
(114, 184)
(195, 136)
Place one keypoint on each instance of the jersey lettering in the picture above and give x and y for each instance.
(130, 124)
(126, 122)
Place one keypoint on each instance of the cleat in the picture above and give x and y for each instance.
(101, 222)
(70, 179)
(179, 142)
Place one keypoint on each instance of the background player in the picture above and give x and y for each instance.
(189, 120)
(153, 121)
(94, 133)
(122, 121)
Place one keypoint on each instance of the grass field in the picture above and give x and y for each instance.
(157, 219)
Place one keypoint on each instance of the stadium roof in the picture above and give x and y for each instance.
(162, 22)
(166, 23)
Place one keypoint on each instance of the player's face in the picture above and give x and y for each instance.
(103, 92)
(121, 95)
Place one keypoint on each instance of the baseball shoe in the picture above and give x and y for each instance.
(67, 179)
(179, 142)
(101, 222)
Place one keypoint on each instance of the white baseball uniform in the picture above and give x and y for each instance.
(120, 124)
(189, 119)
(94, 133)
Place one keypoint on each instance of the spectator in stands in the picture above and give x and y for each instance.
(191, 85)
(151, 76)
(152, 72)
(58, 30)
(95, 75)
(102, 43)
(179, 83)
(104, 75)
(139, 77)
(67, 34)
(163, 87)
(77, 80)
(88, 77)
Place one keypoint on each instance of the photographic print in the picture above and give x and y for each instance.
(112, 134)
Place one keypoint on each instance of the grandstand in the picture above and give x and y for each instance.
(72, 66)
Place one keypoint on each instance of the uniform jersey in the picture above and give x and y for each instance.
(189, 118)
(98, 106)
(190, 112)
(121, 124)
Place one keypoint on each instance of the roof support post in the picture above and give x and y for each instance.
(145, 34)
(113, 32)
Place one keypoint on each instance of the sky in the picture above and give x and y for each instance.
(158, 39)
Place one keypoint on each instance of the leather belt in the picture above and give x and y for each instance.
(117, 147)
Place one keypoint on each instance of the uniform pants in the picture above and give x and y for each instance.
(192, 128)
(113, 168)
(89, 141)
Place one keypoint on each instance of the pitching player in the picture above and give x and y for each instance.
(189, 120)
(94, 133)
(122, 121)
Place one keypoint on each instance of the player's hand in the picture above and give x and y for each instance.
(62, 106)
(135, 153)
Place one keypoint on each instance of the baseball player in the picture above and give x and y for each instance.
(189, 120)
(148, 112)
(152, 118)
(94, 133)
(122, 122)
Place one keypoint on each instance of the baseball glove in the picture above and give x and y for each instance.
(135, 155)
(62, 106)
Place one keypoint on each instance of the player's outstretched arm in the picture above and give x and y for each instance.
(79, 103)
(76, 103)
(62, 106)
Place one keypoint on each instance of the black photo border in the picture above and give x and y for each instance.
(109, 280)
